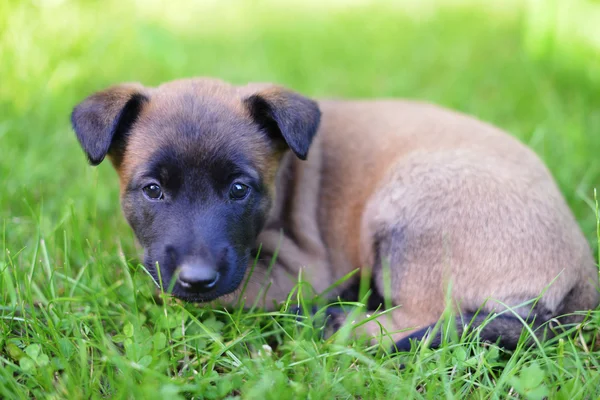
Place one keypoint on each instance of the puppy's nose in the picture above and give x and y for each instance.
(197, 276)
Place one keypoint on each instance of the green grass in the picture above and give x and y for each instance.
(78, 316)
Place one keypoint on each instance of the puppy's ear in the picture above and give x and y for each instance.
(287, 117)
(103, 120)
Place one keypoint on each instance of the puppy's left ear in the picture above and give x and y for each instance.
(287, 117)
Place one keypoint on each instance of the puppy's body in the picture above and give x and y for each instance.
(444, 200)
(428, 199)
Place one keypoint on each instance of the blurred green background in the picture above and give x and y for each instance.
(530, 67)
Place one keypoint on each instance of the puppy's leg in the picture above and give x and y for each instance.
(383, 327)
(396, 329)
(504, 329)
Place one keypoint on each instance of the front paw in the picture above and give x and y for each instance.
(327, 320)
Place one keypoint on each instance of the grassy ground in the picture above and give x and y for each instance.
(78, 317)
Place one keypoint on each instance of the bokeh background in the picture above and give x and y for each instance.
(531, 67)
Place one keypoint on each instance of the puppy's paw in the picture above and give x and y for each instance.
(327, 319)
(302, 314)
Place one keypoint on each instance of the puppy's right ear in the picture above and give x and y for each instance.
(103, 120)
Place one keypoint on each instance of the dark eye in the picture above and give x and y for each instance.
(238, 191)
(153, 192)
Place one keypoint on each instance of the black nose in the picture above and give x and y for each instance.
(197, 277)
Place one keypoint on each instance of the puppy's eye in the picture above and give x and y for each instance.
(238, 191)
(153, 192)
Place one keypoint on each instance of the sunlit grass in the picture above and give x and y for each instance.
(78, 317)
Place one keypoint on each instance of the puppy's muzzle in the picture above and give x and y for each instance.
(197, 276)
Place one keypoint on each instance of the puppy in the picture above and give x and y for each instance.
(438, 207)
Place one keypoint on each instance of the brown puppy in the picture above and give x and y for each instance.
(443, 200)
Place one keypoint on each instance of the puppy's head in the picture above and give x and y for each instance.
(197, 161)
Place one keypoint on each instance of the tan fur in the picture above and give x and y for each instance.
(442, 199)
(479, 213)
